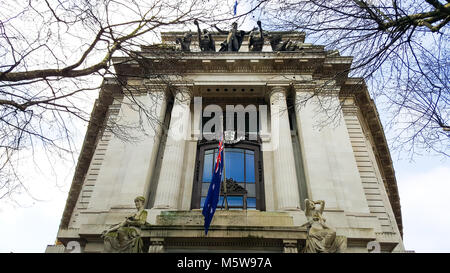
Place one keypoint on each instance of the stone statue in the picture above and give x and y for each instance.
(277, 44)
(124, 237)
(205, 41)
(256, 39)
(292, 46)
(185, 42)
(321, 238)
(234, 38)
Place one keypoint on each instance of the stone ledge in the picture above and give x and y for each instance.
(229, 232)
(66, 235)
(226, 218)
(55, 249)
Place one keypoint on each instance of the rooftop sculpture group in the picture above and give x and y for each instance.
(235, 38)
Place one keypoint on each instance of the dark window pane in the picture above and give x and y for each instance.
(219, 204)
(205, 188)
(234, 165)
(250, 168)
(251, 191)
(207, 167)
(235, 201)
(251, 203)
(234, 150)
(209, 164)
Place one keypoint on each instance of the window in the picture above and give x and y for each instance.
(243, 175)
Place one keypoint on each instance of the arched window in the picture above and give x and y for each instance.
(242, 171)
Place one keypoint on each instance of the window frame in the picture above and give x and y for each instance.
(202, 146)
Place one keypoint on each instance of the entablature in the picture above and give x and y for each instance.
(317, 64)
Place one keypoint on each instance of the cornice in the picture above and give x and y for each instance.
(356, 88)
(315, 63)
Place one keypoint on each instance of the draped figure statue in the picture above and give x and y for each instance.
(321, 238)
(124, 237)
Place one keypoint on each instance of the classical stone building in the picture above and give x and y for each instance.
(318, 136)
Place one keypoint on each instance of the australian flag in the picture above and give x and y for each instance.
(210, 205)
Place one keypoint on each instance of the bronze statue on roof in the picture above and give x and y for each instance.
(234, 38)
(205, 40)
(185, 42)
(256, 39)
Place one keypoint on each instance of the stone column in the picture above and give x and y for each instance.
(169, 183)
(286, 187)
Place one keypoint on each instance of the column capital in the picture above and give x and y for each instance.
(276, 92)
(182, 89)
(277, 89)
(183, 94)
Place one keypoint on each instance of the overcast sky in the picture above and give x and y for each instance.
(424, 188)
(28, 225)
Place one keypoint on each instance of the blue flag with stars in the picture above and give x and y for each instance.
(210, 205)
(235, 8)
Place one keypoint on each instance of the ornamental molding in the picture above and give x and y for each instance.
(309, 62)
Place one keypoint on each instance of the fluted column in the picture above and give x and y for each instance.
(286, 187)
(169, 183)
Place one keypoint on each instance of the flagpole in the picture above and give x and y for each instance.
(225, 199)
(224, 182)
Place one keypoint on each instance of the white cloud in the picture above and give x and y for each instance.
(424, 196)
(31, 229)
(29, 221)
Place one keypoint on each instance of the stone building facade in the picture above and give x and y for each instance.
(318, 137)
